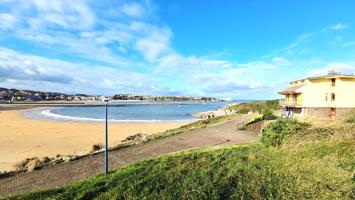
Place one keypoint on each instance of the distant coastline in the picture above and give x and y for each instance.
(30, 96)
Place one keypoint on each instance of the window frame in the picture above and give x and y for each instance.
(333, 80)
(332, 97)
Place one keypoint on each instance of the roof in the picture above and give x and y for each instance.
(291, 90)
(328, 76)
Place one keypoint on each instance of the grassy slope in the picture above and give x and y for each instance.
(316, 165)
(256, 106)
(198, 124)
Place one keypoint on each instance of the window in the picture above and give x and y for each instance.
(326, 96)
(332, 97)
(333, 82)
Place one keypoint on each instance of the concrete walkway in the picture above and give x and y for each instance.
(65, 173)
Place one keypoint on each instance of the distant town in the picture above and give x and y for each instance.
(18, 96)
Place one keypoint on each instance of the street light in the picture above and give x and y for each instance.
(105, 99)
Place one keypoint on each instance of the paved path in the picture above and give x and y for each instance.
(64, 173)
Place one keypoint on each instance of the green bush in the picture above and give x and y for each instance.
(350, 117)
(273, 104)
(256, 106)
(254, 119)
(277, 132)
(243, 111)
(268, 114)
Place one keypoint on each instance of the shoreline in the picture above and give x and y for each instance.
(46, 115)
(22, 138)
(113, 103)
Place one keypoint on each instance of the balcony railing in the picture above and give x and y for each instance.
(283, 102)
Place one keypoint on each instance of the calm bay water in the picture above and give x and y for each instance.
(128, 112)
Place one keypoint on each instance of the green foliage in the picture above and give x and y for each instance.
(254, 119)
(256, 106)
(350, 117)
(243, 110)
(317, 164)
(319, 170)
(278, 131)
(273, 104)
(268, 114)
(198, 124)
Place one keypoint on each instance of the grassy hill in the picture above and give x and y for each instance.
(293, 161)
(255, 106)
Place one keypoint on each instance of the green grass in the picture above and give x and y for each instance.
(256, 106)
(278, 131)
(198, 124)
(350, 117)
(315, 164)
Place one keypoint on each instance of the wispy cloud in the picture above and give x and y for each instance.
(335, 27)
(293, 47)
(133, 9)
(7, 21)
(349, 44)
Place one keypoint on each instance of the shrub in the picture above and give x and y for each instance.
(268, 114)
(254, 119)
(243, 111)
(277, 132)
(350, 117)
(256, 106)
(273, 104)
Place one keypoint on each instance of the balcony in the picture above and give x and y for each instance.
(292, 103)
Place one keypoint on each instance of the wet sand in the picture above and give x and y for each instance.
(22, 138)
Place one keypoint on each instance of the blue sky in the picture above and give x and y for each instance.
(238, 49)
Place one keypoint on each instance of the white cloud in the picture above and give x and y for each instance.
(140, 54)
(280, 61)
(133, 9)
(339, 26)
(342, 67)
(156, 44)
(335, 27)
(34, 72)
(7, 21)
(304, 38)
(64, 13)
(240, 80)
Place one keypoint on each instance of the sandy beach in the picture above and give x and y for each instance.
(22, 138)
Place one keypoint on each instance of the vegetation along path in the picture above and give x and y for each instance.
(64, 173)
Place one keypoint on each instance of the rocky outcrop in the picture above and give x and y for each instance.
(220, 112)
(137, 138)
(30, 164)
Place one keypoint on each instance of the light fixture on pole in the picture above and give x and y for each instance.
(105, 99)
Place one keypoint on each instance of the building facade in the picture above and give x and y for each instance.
(325, 96)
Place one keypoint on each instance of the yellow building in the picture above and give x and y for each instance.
(324, 96)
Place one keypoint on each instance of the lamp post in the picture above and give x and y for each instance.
(106, 138)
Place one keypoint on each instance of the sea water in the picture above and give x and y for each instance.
(127, 111)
